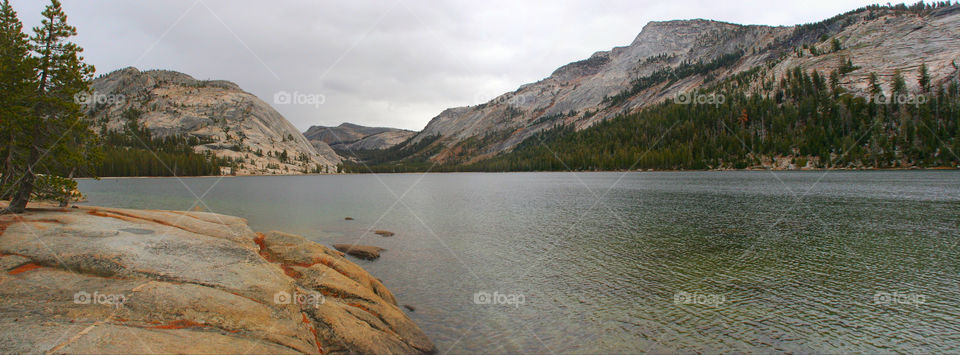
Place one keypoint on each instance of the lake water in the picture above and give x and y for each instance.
(822, 262)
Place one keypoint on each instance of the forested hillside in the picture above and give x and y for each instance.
(807, 121)
(133, 151)
(195, 127)
(805, 96)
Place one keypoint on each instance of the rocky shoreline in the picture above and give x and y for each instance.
(105, 280)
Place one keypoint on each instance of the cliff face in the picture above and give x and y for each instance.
(348, 136)
(231, 122)
(877, 40)
(102, 280)
(582, 86)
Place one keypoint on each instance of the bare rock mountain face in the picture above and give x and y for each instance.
(348, 136)
(876, 40)
(228, 122)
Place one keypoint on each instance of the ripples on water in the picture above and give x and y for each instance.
(799, 259)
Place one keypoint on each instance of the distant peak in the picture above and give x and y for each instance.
(129, 70)
(123, 71)
(171, 76)
(688, 22)
(655, 28)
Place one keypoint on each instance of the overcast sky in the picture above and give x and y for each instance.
(394, 63)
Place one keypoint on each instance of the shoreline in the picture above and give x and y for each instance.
(537, 171)
(105, 280)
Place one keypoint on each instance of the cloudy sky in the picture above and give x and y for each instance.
(394, 63)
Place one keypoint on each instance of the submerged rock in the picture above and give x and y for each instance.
(361, 251)
(91, 280)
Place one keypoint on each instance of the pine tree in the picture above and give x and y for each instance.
(924, 78)
(899, 85)
(17, 84)
(835, 83)
(57, 126)
(875, 88)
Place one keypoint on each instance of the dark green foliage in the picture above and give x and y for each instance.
(670, 74)
(841, 130)
(55, 188)
(924, 78)
(403, 157)
(804, 117)
(899, 84)
(17, 85)
(48, 127)
(835, 45)
(134, 152)
(807, 117)
(120, 161)
(846, 67)
(662, 57)
(875, 88)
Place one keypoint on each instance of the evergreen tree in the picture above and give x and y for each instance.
(924, 78)
(57, 125)
(899, 85)
(17, 84)
(808, 121)
(875, 88)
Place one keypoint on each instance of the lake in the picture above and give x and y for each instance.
(821, 262)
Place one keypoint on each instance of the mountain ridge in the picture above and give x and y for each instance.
(676, 57)
(348, 136)
(226, 121)
(579, 93)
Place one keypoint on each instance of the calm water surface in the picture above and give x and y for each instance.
(637, 262)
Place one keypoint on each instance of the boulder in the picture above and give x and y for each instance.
(366, 252)
(104, 280)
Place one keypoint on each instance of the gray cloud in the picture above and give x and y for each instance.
(391, 63)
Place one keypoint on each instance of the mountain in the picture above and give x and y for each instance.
(212, 117)
(674, 59)
(348, 136)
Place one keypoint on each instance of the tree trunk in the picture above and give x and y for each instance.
(18, 203)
